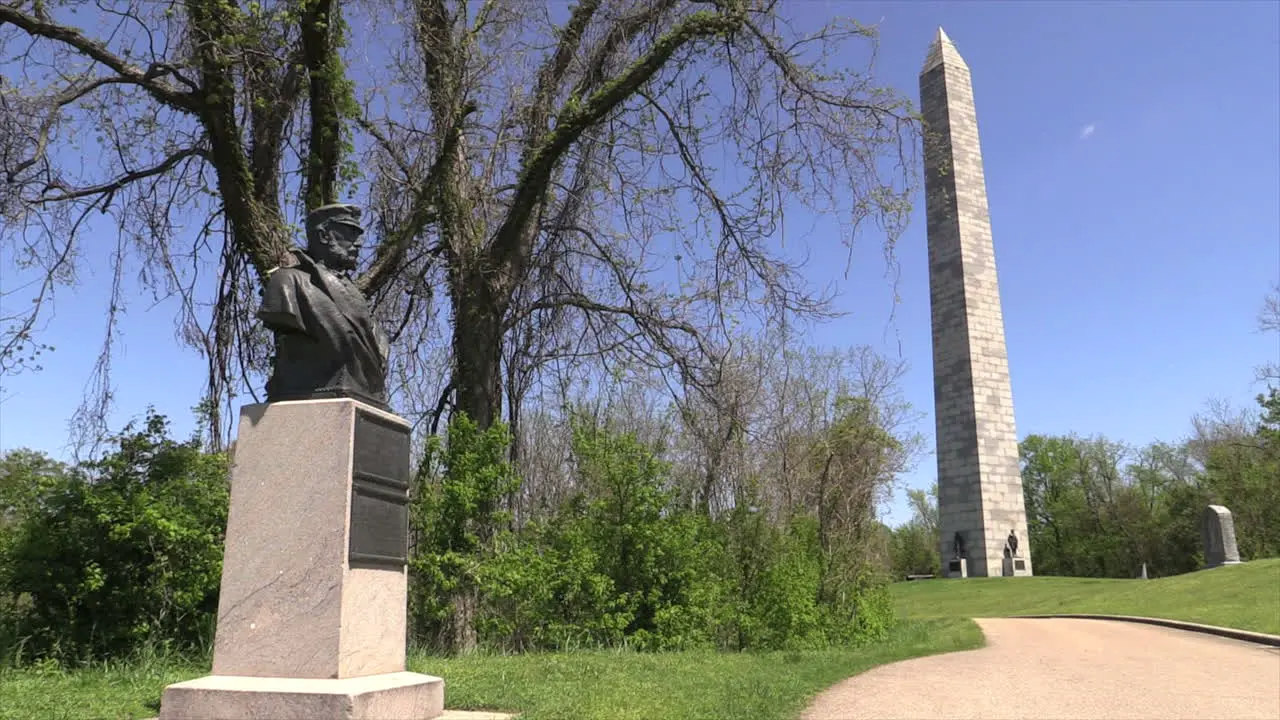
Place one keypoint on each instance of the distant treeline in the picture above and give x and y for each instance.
(740, 522)
(1099, 508)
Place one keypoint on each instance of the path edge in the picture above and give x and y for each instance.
(1233, 633)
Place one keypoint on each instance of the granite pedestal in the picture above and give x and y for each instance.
(1015, 566)
(957, 568)
(312, 610)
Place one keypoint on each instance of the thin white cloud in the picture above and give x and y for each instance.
(1087, 131)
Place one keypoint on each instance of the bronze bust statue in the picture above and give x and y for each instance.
(328, 344)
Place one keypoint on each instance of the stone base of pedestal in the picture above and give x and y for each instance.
(1015, 566)
(313, 603)
(390, 696)
(313, 576)
(957, 568)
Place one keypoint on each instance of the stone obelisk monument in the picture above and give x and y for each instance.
(980, 501)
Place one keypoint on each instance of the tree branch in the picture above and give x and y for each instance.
(110, 188)
(148, 79)
(391, 252)
(276, 94)
(554, 68)
(512, 243)
(257, 228)
(324, 69)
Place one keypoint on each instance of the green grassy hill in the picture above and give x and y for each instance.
(1245, 596)
(585, 685)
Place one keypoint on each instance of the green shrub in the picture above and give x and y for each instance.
(121, 552)
(455, 515)
(124, 554)
(792, 595)
(621, 562)
(915, 551)
(652, 550)
(546, 591)
(617, 564)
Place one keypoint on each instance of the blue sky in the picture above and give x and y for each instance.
(1133, 169)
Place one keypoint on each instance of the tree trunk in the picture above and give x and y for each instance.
(477, 349)
(462, 626)
(513, 450)
(477, 380)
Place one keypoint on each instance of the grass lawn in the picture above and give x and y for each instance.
(1246, 597)
(580, 685)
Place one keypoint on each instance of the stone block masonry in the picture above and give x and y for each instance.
(979, 480)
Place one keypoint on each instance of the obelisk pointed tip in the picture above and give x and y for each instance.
(942, 50)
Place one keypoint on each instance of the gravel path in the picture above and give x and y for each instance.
(1052, 669)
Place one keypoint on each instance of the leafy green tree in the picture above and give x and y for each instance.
(915, 551)
(455, 511)
(25, 477)
(651, 548)
(915, 544)
(119, 552)
(1050, 499)
(1244, 475)
(1098, 509)
(1077, 495)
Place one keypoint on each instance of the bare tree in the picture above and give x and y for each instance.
(1221, 423)
(518, 160)
(1269, 323)
(717, 422)
(176, 111)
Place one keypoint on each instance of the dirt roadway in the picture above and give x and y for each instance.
(1054, 669)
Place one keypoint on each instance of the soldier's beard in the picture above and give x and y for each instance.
(337, 259)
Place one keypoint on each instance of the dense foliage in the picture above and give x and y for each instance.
(915, 543)
(623, 562)
(624, 542)
(1100, 509)
(100, 559)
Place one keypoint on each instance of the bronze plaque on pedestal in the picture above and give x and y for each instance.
(379, 494)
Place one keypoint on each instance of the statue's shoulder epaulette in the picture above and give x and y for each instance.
(291, 259)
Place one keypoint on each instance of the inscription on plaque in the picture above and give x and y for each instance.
(1019, 564)
(379, 494)
(955, 566)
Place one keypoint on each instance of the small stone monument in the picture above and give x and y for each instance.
(1014, 565)
(312, 609)
(1218, 531)
(958, 565)
(1144, 572)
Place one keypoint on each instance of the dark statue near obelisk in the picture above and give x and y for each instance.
(328, 344)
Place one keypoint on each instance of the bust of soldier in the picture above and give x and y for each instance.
(328, 344)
